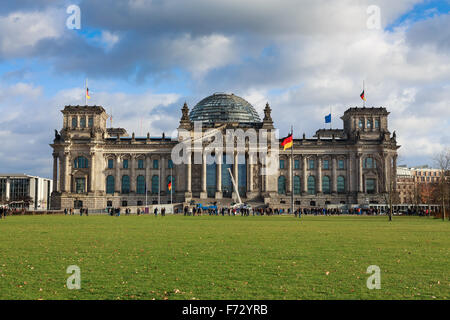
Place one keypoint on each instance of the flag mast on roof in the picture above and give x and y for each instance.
(362, 95)
(86, 91)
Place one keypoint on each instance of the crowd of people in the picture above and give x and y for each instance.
(244, 211)
(71, 211)
(3, 212)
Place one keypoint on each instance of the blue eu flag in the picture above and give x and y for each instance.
(328, 118)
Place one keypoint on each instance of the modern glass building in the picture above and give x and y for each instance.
(25, 191)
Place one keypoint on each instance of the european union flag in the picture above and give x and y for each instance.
(328, 118)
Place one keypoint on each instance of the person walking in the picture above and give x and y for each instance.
(155, 212)
(163, 212)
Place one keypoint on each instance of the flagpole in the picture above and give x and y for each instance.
(85, 92)
(292, 171)
(364, 90)
(330, 117)
(159, 187)
(171, 184)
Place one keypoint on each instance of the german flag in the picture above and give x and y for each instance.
(287, 142)
(362, 96)
(87, 93)
(169, 186)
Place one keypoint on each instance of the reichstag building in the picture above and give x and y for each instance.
(97, 167)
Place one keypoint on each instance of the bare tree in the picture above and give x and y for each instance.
(391, 196)
(442, 161)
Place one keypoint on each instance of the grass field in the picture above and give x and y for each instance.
(176, 257)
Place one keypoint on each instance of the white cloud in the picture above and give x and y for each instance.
(21, 31)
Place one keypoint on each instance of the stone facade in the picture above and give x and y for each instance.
(95, 166)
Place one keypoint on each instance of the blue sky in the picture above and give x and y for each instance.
(144, 58)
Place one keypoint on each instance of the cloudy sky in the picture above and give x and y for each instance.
(144, 58)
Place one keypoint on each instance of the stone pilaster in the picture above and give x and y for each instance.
(92, 173)
(304, 177)
(117, 178)
(203, 194)
(235, 173)
(219, 194)
(319, 175)
(333, 175)
(360, 172)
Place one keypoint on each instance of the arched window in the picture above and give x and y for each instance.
(297, 185)
(125, 184)
(341, 184)
(311, 185)
(281, 185)
(80, 162)
(170, 179)
(140, 185)
(326, 184)
(110, 185)
(155, 184)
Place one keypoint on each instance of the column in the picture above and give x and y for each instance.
(92, 173)
(203, 194)
(333, 175)
(55, 172)
(348, 181)
(163, 174)
(8, 188)
(117, 182)
(266, 176)
(351, 173)
(189, 174)
(66, 184)
(147, 174)
(386, 167)
(61, 174)
(360, 173)
(304, 178)
(236, 168)
(319, 175)
(219, 176)
(394, 174)
(250, 172)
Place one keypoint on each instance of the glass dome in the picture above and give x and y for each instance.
(222, 107)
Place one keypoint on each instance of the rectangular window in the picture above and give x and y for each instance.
(170, 164)
(74, 122)
(155, 164)
(125, 163)
(369, 123)
(83, 122)
(90, 122)
(311, 164)
(80, 185)
(326, 164)
(140, 164)
(281, 164)
(361, 123)
(370, 186)
(296, 164)
(110, 163)
(341, 164)
(377, 123)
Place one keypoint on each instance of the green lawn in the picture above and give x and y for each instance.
(209, 257)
